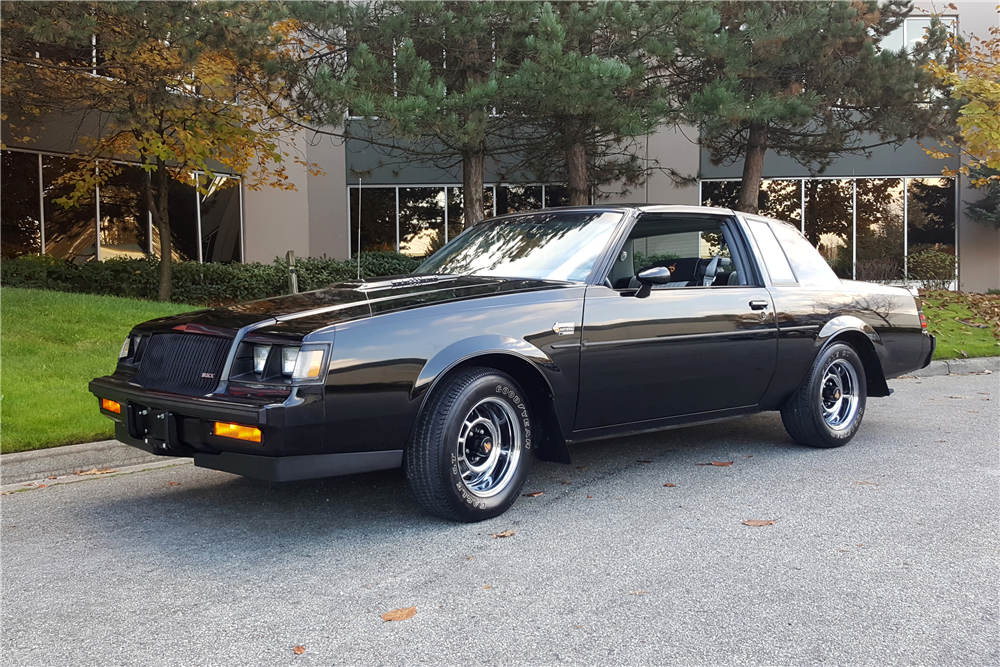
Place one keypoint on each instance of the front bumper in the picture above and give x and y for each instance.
(293, 443)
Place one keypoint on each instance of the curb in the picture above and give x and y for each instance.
(958, 366)
(41, 463)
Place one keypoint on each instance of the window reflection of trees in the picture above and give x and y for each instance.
(880, 230)
(559, 246)
(70, 233)
(378, 219)
(931, 204)
(19, 213)
(124, 216)
(830, 222)
(421, 220)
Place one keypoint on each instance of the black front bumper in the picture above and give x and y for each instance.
(293, 436)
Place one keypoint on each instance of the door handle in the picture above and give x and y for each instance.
(758, 304)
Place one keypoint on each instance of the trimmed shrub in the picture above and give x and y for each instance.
(191, 282)
(934, 268)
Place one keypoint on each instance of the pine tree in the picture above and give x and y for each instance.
(807, 80)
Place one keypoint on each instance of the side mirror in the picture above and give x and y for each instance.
(658, 275)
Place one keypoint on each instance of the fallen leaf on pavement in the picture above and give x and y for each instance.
(96, 471)
(590, 496)
(567, 482)
(638, 592)
(299, 650)
(42, 486)
(399, 614)
(52, 477)
(722, 464)
(506, 533)
(669, 484)
(533, 494)
(760, 522)
(173, 483)
(487, 587)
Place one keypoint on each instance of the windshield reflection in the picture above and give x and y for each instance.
(554, 245)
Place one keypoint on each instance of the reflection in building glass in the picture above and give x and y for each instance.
(124, 216)
(880, 230)
(421, 220)
(182, 208)
(70, 233)
(20, 212)
(378, 219)
(220, 219)
(830, 222)
(515, 198)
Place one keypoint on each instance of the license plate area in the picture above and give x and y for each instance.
(157, 428)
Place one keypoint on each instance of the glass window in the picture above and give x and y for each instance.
(516, 198)
(182, 208)
(723, 194)
(694, 251)
(70, 233)
(561, 245)
(781, 200)
(456, 210)
(124, 216)
(880, 230)
(378, 219)
(20, 211)
(830, 222)
(221, 239)
(556, 195)
(810, 267)
(930, 227)
(421, 220)
(774, 257)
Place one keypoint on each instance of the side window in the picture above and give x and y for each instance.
(694, 250)
(774, 257)
(808, 263)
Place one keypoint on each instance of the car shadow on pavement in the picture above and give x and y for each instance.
(191, 516)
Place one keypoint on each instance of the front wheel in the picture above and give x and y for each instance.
(472, 447)
(827, 409)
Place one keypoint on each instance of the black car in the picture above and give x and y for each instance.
(524, 334)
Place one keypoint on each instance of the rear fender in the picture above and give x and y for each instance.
(862, 337)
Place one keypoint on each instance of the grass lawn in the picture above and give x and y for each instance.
(51, 345)
(965, 324)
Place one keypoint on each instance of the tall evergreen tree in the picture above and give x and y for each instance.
(807, 80)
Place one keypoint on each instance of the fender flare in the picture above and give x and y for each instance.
(865, 340)
(553, 446)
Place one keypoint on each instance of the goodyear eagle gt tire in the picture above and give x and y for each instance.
(472, 447)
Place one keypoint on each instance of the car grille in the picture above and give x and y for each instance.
(183, 363)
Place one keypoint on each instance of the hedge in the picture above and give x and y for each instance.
(192, 282)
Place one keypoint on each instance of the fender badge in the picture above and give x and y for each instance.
(564, 328)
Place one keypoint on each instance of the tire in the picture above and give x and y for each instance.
(472, 448)
(826, 411)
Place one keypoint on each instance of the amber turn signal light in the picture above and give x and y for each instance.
(237, 431)
(111, 406)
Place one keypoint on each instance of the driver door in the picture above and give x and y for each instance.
(705, 342)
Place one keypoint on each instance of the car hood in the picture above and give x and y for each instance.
(299, 314)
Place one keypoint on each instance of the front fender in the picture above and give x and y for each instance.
(475, 346)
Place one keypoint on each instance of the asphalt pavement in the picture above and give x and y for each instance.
(884, 552)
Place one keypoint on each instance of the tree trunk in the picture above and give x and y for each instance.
(753, 168)
(473, 166)
(576, 174)
(156, 202)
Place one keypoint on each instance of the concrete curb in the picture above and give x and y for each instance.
(957, 366)
(40, 464)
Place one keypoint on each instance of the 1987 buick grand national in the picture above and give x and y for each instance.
(525, 333)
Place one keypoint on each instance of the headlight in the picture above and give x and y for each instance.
(125, 347)
(288, 359)
(260, 353)
(309, 363)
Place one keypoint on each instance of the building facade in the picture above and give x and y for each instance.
(871, 215)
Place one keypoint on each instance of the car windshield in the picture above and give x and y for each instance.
(552, 245)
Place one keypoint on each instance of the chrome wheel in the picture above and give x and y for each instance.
(839, 395)
(489, 446)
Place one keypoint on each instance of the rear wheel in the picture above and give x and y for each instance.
(827, 409)
(472, 448)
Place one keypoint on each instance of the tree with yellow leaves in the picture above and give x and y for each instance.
(973, 78)
(178, 87)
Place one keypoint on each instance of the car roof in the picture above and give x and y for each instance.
(642, 207)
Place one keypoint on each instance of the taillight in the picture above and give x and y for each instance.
(923, 321)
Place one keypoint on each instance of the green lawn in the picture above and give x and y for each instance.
(51, 345)
(957, 320)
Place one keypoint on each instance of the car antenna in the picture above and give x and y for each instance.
(359, 228)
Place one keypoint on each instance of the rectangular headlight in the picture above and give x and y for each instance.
(260, 353)
(309, 363)
(288, 359)
(125, 347)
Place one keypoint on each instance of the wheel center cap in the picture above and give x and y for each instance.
(836, 395)
(487, 446)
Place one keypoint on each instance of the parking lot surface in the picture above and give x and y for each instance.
(883, 552)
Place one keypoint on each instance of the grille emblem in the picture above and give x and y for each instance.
(210, 376)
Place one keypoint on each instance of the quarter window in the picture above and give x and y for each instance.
(774, 257)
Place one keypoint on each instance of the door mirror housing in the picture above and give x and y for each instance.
(658, 275)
